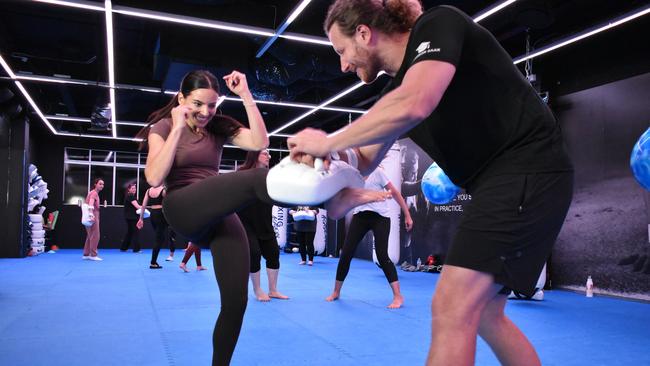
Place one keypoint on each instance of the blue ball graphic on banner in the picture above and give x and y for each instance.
(437, 187)
(640, 160)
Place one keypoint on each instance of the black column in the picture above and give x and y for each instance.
(14, 146)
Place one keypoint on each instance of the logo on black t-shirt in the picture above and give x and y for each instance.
(424, 48)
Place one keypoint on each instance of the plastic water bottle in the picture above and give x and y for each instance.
(590, 287)
(419, 263)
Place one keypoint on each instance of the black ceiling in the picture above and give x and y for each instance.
(65, 42)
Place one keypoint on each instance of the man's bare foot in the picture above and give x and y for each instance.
(333, 296)
(262, 296)
(397, 303)
(201, 268)
(278, 295)
(184, 267)
(348, 198)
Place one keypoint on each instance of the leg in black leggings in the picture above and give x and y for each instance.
(306, 245)
(309, 241)
(198, 212)
(172, 240)
(131, 236)
(160, 227)
(362, 222)
(230, 260)
(380, 227)
(270, 251)
(203, 212)
(302, 246)
(358, 228)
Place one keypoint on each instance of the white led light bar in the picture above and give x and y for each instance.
(492, 10)
(187, 20)
(74, 4)
(294, 14)
(311, 111)
(22, 89)
(268, 148)
(5, 66)
(300, 105)
(306, 38)
(33, 104)
(87, 120)
(103, 137)
(111, 64)
(588, 33)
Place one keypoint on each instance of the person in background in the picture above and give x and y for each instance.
(131, 205)
(92, 232)
(153, 202)
(305, 232)
(258, 223)
(375, 217)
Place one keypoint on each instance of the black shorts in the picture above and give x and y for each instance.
(510, 226)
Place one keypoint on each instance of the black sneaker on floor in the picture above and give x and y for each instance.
(155, 266)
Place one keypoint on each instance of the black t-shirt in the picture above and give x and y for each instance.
(129, 209)
(490, 118)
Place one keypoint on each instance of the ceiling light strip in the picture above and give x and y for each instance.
(588, 33)
(59, 80)
(187, 20)
(88, 5)
(300, 105)
(22, 89)
(329, 101)
(111, 64)
(52, 79)
(294, 14)
(124, 123)
(99, 136)
(306, 38)
(493, 10)
(268, 148)
(87, 120)
(5, 66)
(35, 107)
(103, 137)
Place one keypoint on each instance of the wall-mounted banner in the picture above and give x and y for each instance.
(280, 224)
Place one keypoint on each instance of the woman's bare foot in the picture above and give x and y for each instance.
(348, 198)
(260, 295)
(310, 263)
(184, 267)
(201, 268)
(302, 263)
(278, 295)
(334, 296)
(397, 303)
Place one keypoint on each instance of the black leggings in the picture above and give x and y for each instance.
(306, 244)
(131, 236)
(161, 228)
(363, 222)
(262, 247)
(204, 212)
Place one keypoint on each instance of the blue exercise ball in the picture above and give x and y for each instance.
(640, 160)
(437, 187)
